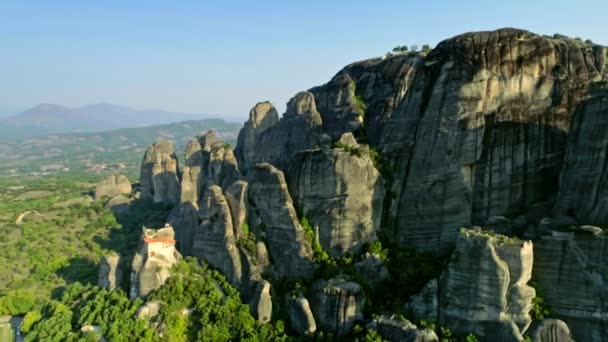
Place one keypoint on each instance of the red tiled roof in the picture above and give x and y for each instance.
(159, 239)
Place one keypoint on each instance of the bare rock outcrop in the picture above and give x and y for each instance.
(392, 329)
(261, 117)
(261, 302)
(299, 129)
(484, 289)
(112, 186)
(372, 269)
(583, 193)
(119, 204)
(337, 304)
(110, 272)
(159, 174)
(214, 240)
(341, 192)
(570, 270)
(549, 330)
(289, 249)
(341, 108)
(425, 304)
(301, 318)
(476, 128)
(221, 167)
(191, 186)
(236, 195)
(153, 261)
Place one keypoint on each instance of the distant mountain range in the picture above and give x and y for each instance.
(102, 151)
(55, 119)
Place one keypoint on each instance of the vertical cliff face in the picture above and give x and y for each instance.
(299, 129)
(496, 128)
(159, 174)
(214, 240)
(571, 270)
(583, 191)
(289, 249)
(475, 128)
(484, 288)
(261, 117)
(341, 192)
(337, 304)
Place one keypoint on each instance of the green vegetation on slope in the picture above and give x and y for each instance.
(198, 304)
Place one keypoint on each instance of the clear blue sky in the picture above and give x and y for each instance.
(220, 57)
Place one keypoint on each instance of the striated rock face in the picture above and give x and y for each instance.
(236, 195)
(476, 128)
(159, 174)
(337, 304)
(341, 192)
(570, 270)
(299, 129)
(484, 289)
(110, 272)
(339, 106)
(191, 186)
(550, 330)
(289, 250)
(583, 193)
(153, 261)
(112, 186)
(301, 317)
(261, 117)
(424, 305)
(402, 330)
(214, 240)
(221, 167)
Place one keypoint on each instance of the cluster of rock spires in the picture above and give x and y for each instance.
(503, 130)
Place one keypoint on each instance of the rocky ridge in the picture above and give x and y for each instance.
(498, 129)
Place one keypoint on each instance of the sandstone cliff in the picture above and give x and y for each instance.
(503, 129)
(159, 174)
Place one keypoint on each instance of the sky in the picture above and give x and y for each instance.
(221, 57)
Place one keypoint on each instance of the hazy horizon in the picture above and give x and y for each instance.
(222, 58)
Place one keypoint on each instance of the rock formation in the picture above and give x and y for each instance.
(159, 174)
(112, 186)
(337, 304)
(484, 289)
(191, 186)
(261, 302)
(110, 272)
(402, 330)
(570, 271)
(424, 304)
(583, 193)
(301, 317)
(289, 249)
(299, 129)
(550, 330)
(214, 240)
(505, 129)
(118, 204)
(341, 192)
(372, 270)
(261, 117)
(236, 194)
(221, 167)
(153, 261)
